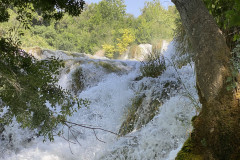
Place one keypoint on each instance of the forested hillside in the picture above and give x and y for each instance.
(105, 25)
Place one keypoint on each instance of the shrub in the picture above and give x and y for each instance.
(77, 81)
(123, 42)
(154, 66)
(235, 60)
(109, 50)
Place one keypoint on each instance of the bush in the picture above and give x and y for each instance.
(109, 50)
(154, 66)
(77, 81)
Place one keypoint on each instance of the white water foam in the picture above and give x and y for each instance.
(160, 139)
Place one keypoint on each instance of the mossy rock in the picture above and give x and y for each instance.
(186, 152)
(109, 67)
(124, 64)
(138, 78)
(146, 104)
(128, 125)
(77, 81)
(139, 114)
(154, 108)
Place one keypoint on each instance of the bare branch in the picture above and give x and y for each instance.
(97, 136)
(65, 139)
(70, 129)
(69, 143)
(93, 128)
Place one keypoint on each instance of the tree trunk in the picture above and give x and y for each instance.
(216, 133)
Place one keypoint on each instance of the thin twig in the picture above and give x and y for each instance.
(69, 143)
(65, 139)
(97, 136)
(94, 128)
(70, 129)
(187, 93)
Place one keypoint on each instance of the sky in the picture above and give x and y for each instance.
(134, 6)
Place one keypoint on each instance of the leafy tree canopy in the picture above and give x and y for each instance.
(49, 8)
(226, 13)
(28, 87)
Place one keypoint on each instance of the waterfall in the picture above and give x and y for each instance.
(111, 87)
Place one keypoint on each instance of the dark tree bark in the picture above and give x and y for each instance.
(216, 133)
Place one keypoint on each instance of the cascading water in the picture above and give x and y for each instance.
(111, 87)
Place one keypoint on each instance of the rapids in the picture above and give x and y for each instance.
(110, 86)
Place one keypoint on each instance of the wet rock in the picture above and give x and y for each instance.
(146, 104)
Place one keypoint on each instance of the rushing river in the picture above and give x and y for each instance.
(111, 86)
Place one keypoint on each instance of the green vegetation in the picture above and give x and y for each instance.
(109, 50)
(77, 81)
(100, 26)
(109, 67)
(154, 66)
(215, 129)
(144, 107)
(236, 66)
(26, 24)
(186, 152)
(27, 86)
(49, 24)
(132, 116)
(226, 13)
(139, 114)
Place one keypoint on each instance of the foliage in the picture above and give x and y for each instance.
(28, 87)
(109, 67)
(154, 66)
(46, 7)
(236, 67)
(125, 40)
(155, 22)
(226, 13)
(98, 24)
(31, 84)
(77, 80)
(128, 125)
(187, 152)
(109, 50)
